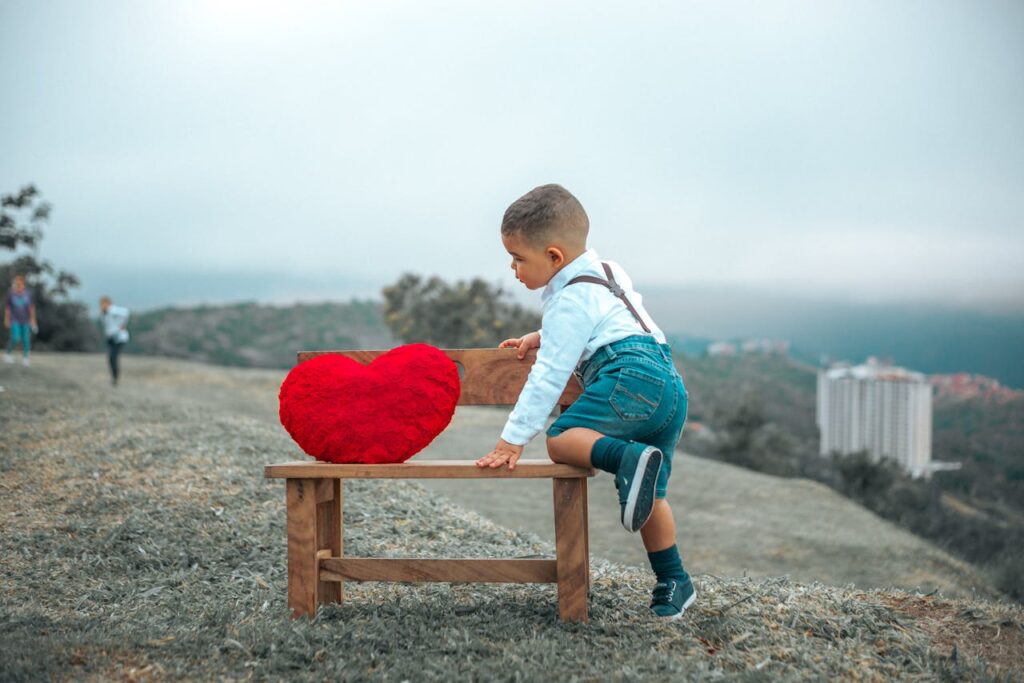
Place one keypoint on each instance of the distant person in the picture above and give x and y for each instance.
(633, 407)
(115, 329)
(20, 319)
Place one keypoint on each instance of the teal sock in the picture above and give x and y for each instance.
(668, 565)
(606, 453)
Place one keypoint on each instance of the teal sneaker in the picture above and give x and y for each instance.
(670, 599)
(635, 480)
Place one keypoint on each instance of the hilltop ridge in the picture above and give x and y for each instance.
(250, 334)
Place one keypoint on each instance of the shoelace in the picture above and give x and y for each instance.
(663, 592)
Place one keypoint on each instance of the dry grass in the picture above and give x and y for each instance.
(141, 543)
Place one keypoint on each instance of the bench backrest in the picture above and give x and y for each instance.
(489, 376)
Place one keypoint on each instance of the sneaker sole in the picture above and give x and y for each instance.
(682, 610)
(640, 499)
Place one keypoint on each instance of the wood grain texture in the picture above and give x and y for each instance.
(571, 549)
(324, 490)
(586, 530)
(328, 536)
(424, 469)
(490, 376)
(302, 561)
(442, 570)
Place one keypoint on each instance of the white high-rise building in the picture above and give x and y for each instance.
(884, 410)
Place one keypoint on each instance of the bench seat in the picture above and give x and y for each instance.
(425, 469)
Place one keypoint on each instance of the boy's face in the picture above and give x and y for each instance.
(19, 284)
(533, 266)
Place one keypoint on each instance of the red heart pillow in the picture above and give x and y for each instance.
(340, 410)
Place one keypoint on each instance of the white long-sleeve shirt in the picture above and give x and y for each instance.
(577, 321)
(115, 323)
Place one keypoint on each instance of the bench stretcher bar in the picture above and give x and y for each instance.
(448, 570)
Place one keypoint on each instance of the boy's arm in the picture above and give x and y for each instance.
(522, 344)
(566, 330)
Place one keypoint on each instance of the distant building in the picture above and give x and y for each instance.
(884, 410)
(765, 346)
(721, 348)
(728, 348)
(964, 385)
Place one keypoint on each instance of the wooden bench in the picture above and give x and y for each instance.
(317, 565)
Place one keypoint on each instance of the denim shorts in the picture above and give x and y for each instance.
(631, 391)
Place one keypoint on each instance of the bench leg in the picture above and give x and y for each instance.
(302, 560)
(314, 530)
(586, 532)
(329, 535)
(571, 555)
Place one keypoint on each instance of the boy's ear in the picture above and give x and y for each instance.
(555, 255)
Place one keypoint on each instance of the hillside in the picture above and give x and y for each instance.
(987, 435)
(142, 543)
(784, 387)
(761, 409)
(257, 335)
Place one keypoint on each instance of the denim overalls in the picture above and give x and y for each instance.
(631, 391)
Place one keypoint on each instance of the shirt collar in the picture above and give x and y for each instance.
(568, 272)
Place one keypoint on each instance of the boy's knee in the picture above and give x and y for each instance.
(559, 446)
(554, 444)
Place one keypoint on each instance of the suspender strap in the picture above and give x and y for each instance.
(614, 288)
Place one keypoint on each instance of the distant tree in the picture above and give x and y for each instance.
(864, 478)
(63, 324)
(740, 426)
(461, 315)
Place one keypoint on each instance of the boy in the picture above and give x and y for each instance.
(115, 329)
(20, 319)
(633, 407)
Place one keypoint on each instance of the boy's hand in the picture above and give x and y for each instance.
(525, 343)
(502, 453)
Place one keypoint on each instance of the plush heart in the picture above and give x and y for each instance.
(340, 410)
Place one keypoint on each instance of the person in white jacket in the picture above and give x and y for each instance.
(115, 329)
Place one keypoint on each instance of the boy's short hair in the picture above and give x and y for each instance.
(545, 213)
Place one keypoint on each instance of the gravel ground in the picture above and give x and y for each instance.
(732, 521)
(141, 542)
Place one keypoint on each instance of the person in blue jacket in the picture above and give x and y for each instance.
(19, 319)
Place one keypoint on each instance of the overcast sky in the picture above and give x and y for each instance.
(241, 149)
